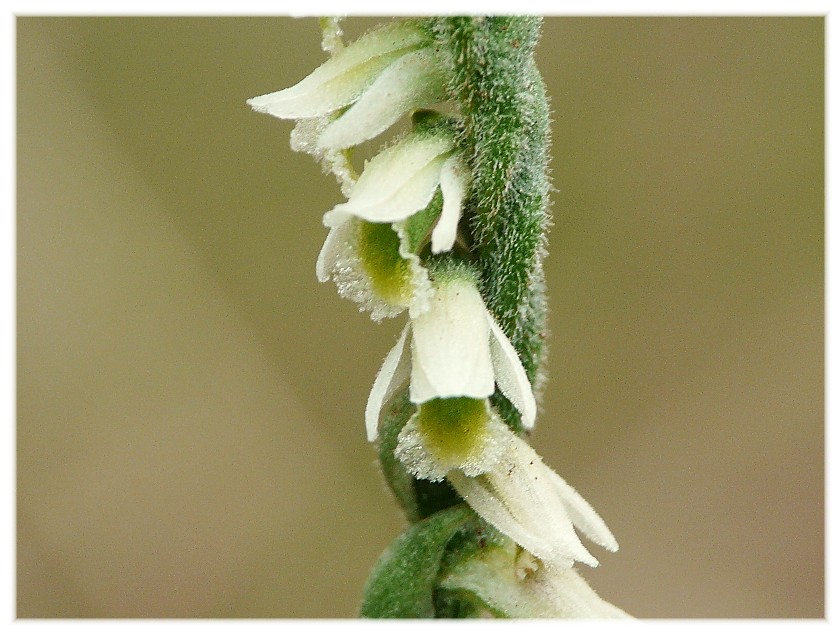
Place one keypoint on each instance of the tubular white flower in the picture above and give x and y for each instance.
(413, 81)
(452, 355)
(352, 97)
(382, 76)
(499, 475)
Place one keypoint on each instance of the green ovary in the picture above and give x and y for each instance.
(453, 429)
(389, 273)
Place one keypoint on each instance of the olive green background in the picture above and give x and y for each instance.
(190, 400)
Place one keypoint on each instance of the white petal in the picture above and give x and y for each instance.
(510, 375)
(342, 78)
(389, 170)
(412, 81)
(393, 373)
(454, 179)
(450, 349)
(583, 515)
(330, 251)
(397, 182)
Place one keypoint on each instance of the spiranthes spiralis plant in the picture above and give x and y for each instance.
(448, 224)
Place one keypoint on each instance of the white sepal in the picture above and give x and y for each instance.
(449, 348)
(454, 180)
(583, 515)
(397, 182)
(510, 375)
(393, 373)
(526, 486)
(341, 79)
(330, 251)
(413, 81)
(571, 597)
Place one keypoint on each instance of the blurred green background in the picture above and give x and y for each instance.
(190, 400)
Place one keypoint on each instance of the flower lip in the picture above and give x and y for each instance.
(371, 265)
(449, 433)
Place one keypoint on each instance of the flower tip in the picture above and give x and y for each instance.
(392, 374)
(260, 106)
(272, 104)
(336, 216)
(529, 413)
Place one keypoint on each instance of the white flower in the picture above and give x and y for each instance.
(385, 74)
(458, 356)
(531, 504)
(371, 265)
(515, 585)
(457, 350)
(401, 181)
(378, 266)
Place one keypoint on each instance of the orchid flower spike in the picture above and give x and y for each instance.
(454, 356)
(385, 74)
(372, 249)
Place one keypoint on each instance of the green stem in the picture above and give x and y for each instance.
(502, 98)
